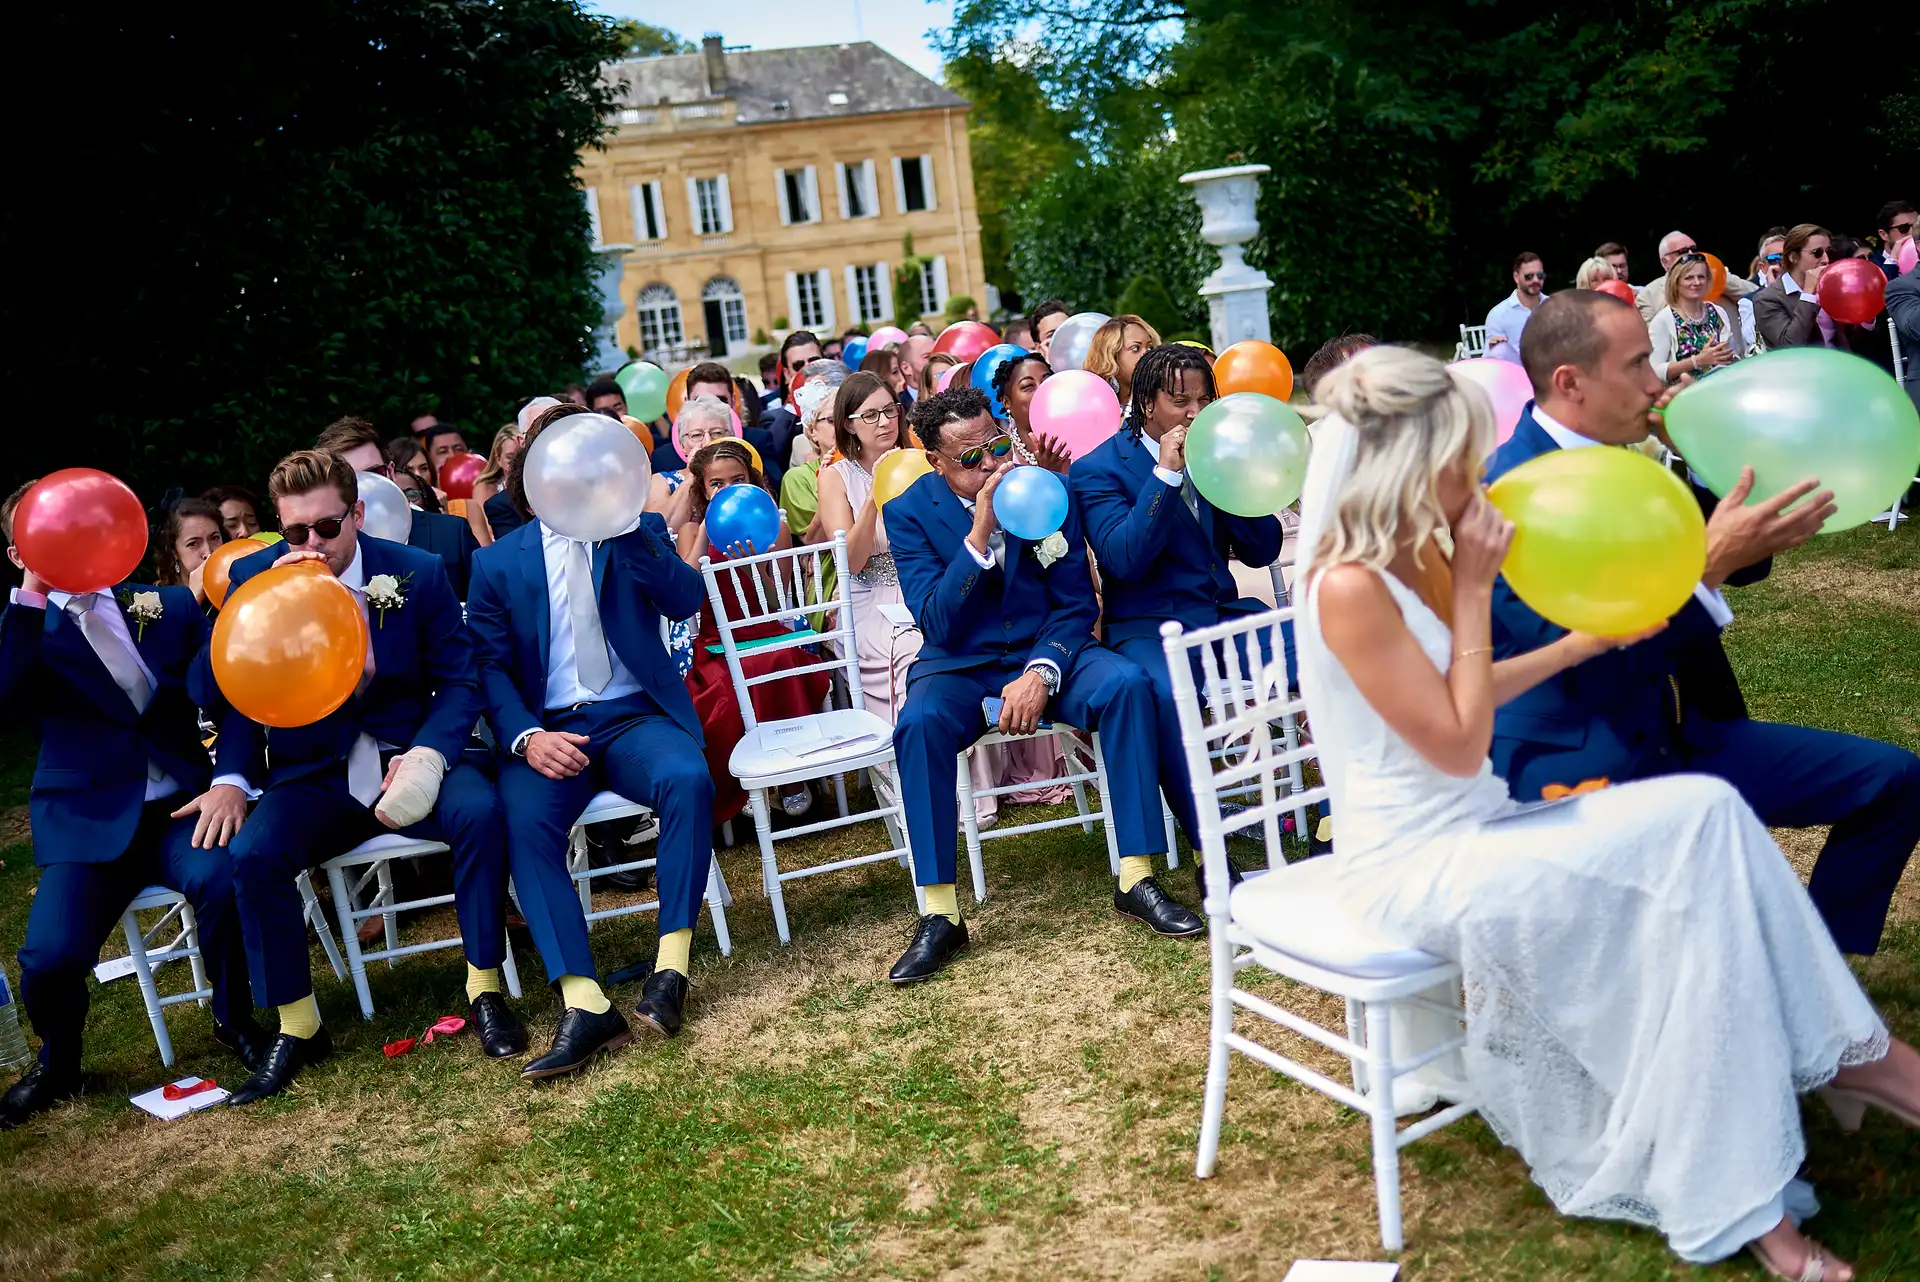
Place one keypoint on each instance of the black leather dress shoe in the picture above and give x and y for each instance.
(934, 944)
(579, 1038)
(502, 1033)
(38, 1090)
(663, 1002)
(246, 1039)
(283, 1060)
(1150, 904)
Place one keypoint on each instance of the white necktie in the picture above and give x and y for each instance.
(997, 547)
(363, 758)
(589, 641)
(113, 652)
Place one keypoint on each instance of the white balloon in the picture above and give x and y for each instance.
(388, 516)
(587, 477)
(1068, 350)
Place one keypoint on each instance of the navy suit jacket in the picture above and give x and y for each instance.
(1158, 561)
(451, 539)
(91, 779)
(1608, 717)
(970, 617)
(502, 516)
(640, 580)
(425, 690)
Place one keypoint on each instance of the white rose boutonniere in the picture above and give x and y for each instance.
(142, 608)
(384, 592)
(1050, 549)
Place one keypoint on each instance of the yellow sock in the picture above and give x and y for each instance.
(943, 900)
(675, 945)
(300, 1019)
(482, 981)
(1134, 869)
(584, 994)
(1325, 831)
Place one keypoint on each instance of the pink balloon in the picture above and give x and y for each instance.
(884, 335)
(1505, 384)
(1909, 256)
(946, 376)
(1077, 407)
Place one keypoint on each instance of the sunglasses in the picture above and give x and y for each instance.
(1771, 258)
(1533, 275)
(296, 534)
(1691, 257)
(1687, 249)
(874, 418)
(1902, 228)
(996, 449)
(1816, 253)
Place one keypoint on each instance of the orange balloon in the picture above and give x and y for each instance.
(216, 575)
(1718, 285)
(289, 647)
(1253, 366)
(677, 393)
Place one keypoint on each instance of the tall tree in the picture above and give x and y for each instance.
(644, 40)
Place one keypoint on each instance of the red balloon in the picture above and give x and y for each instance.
(1853, 291)
(81, 530)
(965, 340)
(458, 474)
(1618, 288)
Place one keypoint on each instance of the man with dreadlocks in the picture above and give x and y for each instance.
(1161, 547)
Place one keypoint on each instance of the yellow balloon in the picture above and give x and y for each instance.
(1605, 541)
(896, 471)
(267, 536)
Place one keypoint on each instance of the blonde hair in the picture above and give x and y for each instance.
(304, 471)
(1592, 272)
(930, 370)
(1412, 418)
(495, 472)
(1681, 266)
(1103, 351)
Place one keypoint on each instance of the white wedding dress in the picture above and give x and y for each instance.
(1647, 984)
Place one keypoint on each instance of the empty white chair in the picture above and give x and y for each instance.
(608, 806)
(777, 587)
(1085, 765)
(1288, 921)
(1472, 344)
(146, 955)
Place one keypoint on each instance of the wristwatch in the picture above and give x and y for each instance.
(1049, 675)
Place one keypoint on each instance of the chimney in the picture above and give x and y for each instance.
(715, 55)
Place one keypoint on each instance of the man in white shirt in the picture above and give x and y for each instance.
(1509, 316)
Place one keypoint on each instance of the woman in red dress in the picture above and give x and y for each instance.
(729, 462)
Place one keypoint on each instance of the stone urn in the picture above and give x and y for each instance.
(1236, 293)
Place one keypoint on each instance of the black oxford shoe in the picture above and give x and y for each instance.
(663, 1002)
(36, 1092)
(284, 1059)
(1147, 902)
(934, 944)
(579, 1038)
(246, 1039)
(502, 1033)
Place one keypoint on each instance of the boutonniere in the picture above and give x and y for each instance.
(143, 608)
(1050, 549)
(384, 592)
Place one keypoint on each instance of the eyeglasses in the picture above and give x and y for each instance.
(296, 534)
(1811, 252)
(1691, 257)
(873, 418)
(1902, 228)
(1686, 249)
(996, 449)
(1533, 275)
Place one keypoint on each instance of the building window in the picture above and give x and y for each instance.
(913, 184)
(813, 311)
(649, 212)
(799, 195)
(630, 115)
(866, 293)
(733, 306)
(658, 311)
(933, 285)
(710, 205)
(859, 196)
(591, 196)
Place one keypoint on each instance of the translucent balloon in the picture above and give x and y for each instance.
(1798, 413)
(587, 476)
(289, 646)
(216, 576)
(853, 351)
(896, 470)
(1253, 366)
(1079, 408)
(80, 529)
(1605, 542)
(946, 377)
(459, 472)
(1505, 384)
(645, 387)
(1909, 256)
(1853, 290)
(1031, 503)
(986, 367)
(388, 516)
(742, 514)
(1247, 454)
(964, 340)
(884, 335)
(1068, 347)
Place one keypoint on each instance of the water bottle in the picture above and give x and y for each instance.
(14, 1052)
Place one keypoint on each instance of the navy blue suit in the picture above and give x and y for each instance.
(96, 839)
(1160, 561)
(981, 629)
(1624, 716)
(425, 692)
(451, 539)
(502, 517)
(645, 746)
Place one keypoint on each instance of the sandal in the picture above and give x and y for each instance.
(1816, 1269)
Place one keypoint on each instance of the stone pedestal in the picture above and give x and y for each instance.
(607, 354)
(1236, 294)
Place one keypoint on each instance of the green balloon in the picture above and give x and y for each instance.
(645, 387)
(1247, 453)
(1798, 413)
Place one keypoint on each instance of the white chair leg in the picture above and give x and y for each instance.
(1106, 805)
(1357, 1034)
(317, 917)
(578, 861)
(726, 833)
(1173, 833)
(769, 870)
(895, 832)
(717, 898)
(350, 940)
(1386, 1140)
(190, 937)
(970, 828)
(840, 793)
(511, 971)
(143, 972)
(389, 922)
(1219, 1055)
(1070, 753)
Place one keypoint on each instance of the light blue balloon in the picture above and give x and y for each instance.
(742, 514)
(1031, 503)
(986, 367)
(853, 351)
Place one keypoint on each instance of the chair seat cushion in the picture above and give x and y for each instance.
(814, 745)
(1296, 910)
(395, 843)
(608, 805)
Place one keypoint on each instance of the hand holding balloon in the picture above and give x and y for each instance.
(985, 520)
(1030, 502)
(1173, 449)
(1739, 535)
(80, 529)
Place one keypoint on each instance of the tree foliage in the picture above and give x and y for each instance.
(361, 208)
(644, 40)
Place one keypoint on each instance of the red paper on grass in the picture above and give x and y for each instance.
(171, 1092)
(445, 1026)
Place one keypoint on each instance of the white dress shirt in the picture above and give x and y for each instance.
(1166, 474)
(1568, 439)
(1507, 319)
(563, 670)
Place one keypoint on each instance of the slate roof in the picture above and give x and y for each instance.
(872, 79)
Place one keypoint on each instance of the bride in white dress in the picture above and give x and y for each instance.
(1648, 987)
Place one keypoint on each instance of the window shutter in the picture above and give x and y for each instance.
(825, 280)
(810, 192)
(793, 302)
(926, 181)
(637, 202)
(780, 193)
(939, 282)
(840, 182)
(659, 208)
(726, 204)
(869, 190)
(592, 197)
(693, 205)
(883, 277)
(899, 186)
(853, 294)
